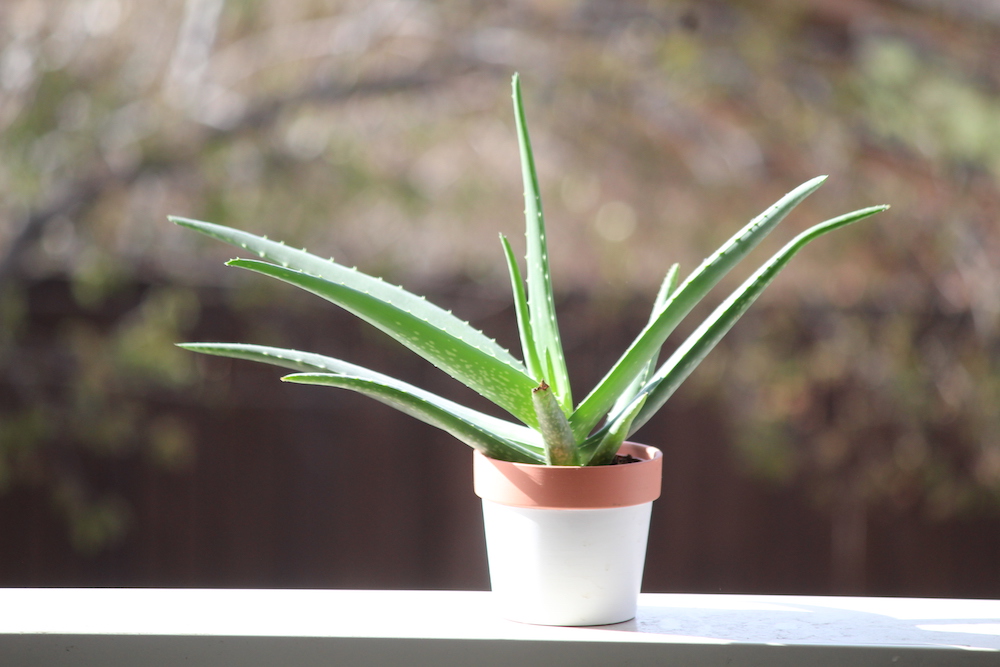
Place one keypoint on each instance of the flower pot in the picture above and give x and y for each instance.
(566, 545)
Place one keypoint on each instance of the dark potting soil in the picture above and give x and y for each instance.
(627, 458)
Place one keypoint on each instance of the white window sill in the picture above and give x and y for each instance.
(153, 627)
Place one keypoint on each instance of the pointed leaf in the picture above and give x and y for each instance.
(310, 362)
(521, 311)
(704, 278)
(666, 289)
(612, 441)
(680, 364)
(560, 447)
(545, 330)
(505, 384)
(471, 434)
(300, 260)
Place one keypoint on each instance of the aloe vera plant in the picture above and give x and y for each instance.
(536, 391)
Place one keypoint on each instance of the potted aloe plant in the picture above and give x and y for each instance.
(566, 499)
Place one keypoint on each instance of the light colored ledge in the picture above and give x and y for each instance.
(293, 628)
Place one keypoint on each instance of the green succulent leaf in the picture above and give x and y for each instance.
(521, 311)
(504, 383)
(541, 305)
(430, 412)
(615, 434)
(560, 446)
(597, 404)
(311, 362)
(687, 357)
(300, 260)
(537, 391)
(666, 289)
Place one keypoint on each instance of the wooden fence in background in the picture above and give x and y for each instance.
(295, 486)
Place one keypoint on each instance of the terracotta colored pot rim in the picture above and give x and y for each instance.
(570, 487)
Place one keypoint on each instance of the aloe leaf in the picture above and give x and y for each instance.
(541, 305)
(303, 261)
(560, 446)
(311, 362)
(687, 357)
(659, 303)
(616, 434)
(471, 434)
(521, 311)
(506, 385)
(704, 278)
(666, 289)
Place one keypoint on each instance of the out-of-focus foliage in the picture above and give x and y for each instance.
(378, 131)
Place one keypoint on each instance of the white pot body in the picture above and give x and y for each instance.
(566, 566)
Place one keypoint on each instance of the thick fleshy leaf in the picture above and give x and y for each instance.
(687, 357)
(521, 312)
(597, 404)
(666, 289)
(616, 433)
(541, 305)
(557, 436)
(311, 362)
(506, 385)
(430, 412)
(300, 260)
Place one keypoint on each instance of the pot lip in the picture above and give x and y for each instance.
(533, 485)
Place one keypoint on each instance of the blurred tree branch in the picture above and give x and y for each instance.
(84, 191)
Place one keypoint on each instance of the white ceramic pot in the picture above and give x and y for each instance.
(567, 545)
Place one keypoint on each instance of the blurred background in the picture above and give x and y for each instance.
(844, 437)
